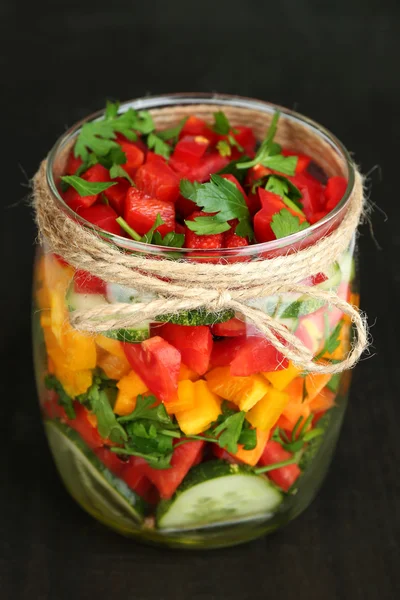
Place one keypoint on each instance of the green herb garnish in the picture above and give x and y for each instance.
(219, 196)
(87, 188)
(284, 223)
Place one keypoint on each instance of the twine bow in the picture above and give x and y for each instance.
(191, 285)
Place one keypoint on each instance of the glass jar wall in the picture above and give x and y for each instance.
(179, 389)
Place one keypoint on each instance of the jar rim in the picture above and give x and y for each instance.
(188, 98)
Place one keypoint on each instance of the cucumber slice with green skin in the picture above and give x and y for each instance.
(216, 493)
(90, 482)
(139, 334)
(76, 301)
(305, 305)
(197, 317)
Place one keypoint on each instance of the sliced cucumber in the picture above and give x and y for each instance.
(217, 492)
(140, 333)
(89, 481)
(76, 301)
(197, 317)
(120, 293)
(305, 305)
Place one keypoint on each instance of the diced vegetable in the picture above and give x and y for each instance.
(130, 386)
(243, 391)
(206, 410)
(267, 411)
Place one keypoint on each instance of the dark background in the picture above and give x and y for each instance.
(336, 62)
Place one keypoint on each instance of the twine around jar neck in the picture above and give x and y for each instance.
(213, 286)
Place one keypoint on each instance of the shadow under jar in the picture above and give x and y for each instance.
(208, 496)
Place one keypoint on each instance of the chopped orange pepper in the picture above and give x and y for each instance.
(186, 373)
(314, 383)
(324, 401)
(129, 388)
(267, 411)
(113, 366)
(251, 457)
(245, 392)
(281, 379)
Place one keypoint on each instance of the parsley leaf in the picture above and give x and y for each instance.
(172, 133)
(284, 223)
(230, 430)
(332, 342)
(87, 188)
(119, 171)
(145, 409)
(157, 144)
(219, 196)
(97, 400)
(221, 124)
(269, 154)
(232, 169)
(299, 436)
(63, 400)
(282, 187)
(224, 148)
(147, 238)
(98, 136)
(171, 239)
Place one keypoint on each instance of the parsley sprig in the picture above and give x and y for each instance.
(299, 436)
(222, 126)
(269, 154)
(284, 223)
(87, 188)
(221, 197)
(171, 239)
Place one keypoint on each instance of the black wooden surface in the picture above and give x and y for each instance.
(339, 65)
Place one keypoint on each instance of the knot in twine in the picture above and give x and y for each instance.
(192, 285)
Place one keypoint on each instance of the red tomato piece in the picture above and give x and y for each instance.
(334, 191)
(284, 477)
(110, 460)
(222, 454)
(212, 162)
(103, 216)
(134, 477)
(83, 426)
(231, 240)
(246, 138)
(153, 157)
(134, 157)
(271, 204)
(224, 351)
(167, 480)
(184, 207)
(312, 191)
(193, 342)
(195, 126)
(302, 160)
(141, 212)
(116, 195)
(192, 240)
(97, 173)
(158, 364)
(52, 408)
(158, 180)
(255, 355)
(85, 283)
(230, 328)
(190, 149)
(73, 164)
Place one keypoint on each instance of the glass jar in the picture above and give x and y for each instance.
(208, 496)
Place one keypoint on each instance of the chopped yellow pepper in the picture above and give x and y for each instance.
(112, 346)
(184, 400)
(206, 409)
(113, 366)
(186, 373)
(251, 457)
